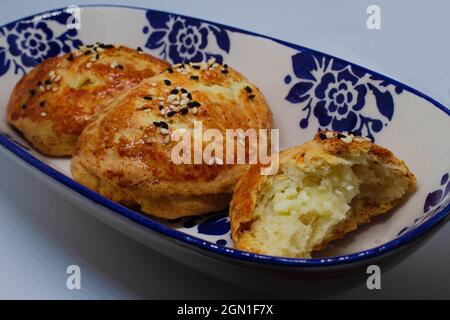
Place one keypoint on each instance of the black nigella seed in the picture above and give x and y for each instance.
(161, 107)
(170, 113)
(225, 66)
(139, 49)
(183, 90)
(90, 46)
(164, 125)
(120, 67)
(42, 104)
(322, 136)
(39, 83)
(224, 71)
(70, 57)
(184, 111)
(170, 69)
(156, 124)
(190, 104)
(189, 95)
(174, 91)
(195, 104)
(47, 82)
(194, 77)
(97, 56)
(24, 106)
(87, 52)
(252, 96)
(32, 92)
(248, 89)
(341, 136)
(167, 82)
(196, 67)
(148, 98)
(353, 133)
(107, 46)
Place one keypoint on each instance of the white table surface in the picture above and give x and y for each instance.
(41, 233)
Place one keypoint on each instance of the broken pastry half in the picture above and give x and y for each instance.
(323, 190)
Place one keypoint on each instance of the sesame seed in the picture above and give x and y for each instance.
(52, 74)
(41, 88)
(347, 139)
(218, 161)
(153, 84)
(43, 114)
(162, 111)
(194, 110)
(48, 87)
(164, 131)
(57, 79)
(329, 135)
(55, 89)
(211, 61)
(88, 65)
(114, 64)
(171, 98)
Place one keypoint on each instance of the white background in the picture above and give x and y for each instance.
(41, 233)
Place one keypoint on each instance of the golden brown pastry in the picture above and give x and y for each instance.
(125, 154)
(324, 189)
(53, 103)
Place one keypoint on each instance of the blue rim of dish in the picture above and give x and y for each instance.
(148, 222)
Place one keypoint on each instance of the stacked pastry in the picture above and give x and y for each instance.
(115, 109)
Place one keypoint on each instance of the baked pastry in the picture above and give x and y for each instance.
(125, 154)
(324, 189)
(53, 103)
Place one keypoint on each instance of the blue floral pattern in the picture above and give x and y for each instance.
(337, 93)
(185, 40)
(26, 43)
(435, 201)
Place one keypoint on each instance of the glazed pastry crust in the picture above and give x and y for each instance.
(318, 151)
(123, 156)
(54, 102)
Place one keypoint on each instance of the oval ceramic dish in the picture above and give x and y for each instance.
(306, 90)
